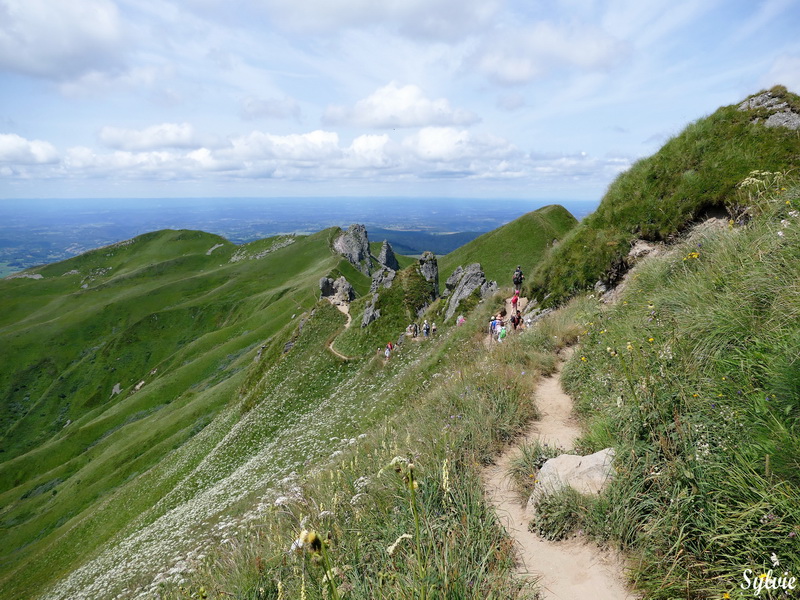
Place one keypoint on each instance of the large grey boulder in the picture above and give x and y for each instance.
(353, 244)
(326, 287)
(585, 474)
(343, 292)
(370, 312)
(382, 278)
(429, 268)
(387, 257)
(463, 283)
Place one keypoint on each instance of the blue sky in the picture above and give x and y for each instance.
(461, 98)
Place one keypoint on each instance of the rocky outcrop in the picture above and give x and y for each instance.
(585, 474)
(430, 270)
(338, 292)
(353, 245)
(370, 312)
(463, 283)
(382, 278)
(780, 112)
(387, 257)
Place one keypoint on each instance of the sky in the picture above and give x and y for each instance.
(427, 98)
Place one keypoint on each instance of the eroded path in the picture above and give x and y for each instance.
(572, 569)
(345, 308)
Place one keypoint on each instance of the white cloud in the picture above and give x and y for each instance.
(165, 135)
(399, 106)
(59, 39)
(314, 146)
(95, 82)
(518, 55)
(17, 150)
(430, 19)
(448, 144)
(275, 108)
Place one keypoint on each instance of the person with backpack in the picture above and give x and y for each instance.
(518, 277)
(433, 328)
(426, 328)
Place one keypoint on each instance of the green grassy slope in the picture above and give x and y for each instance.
(693, 173)
(163, 309)
(523, 242)
(693, 377)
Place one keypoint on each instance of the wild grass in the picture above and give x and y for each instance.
(523, 241)
(390, 529)
(689, 377)
(693, 174)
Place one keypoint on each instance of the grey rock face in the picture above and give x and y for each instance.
(430, 270)
(370, 312)
(339, 291)
(353, 244)
(326, 287)
(382, 278)
(782, 115)
(387, 257)
(463, 282)
(343, 292)
(784, 118)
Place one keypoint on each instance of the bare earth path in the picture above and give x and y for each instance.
(345, 308)
(571, 569)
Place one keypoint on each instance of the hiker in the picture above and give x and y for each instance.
(502, 335)
(514, 321)
(426, 328)
(433, 328)
(518, 277)
(514, 301)
(461, 320)
(389, 348)
(520, 322)
(416, 329)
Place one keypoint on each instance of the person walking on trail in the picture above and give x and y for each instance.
(426, 328)
(502, 335)
(518, 277)
(433, 328)
(514, 301)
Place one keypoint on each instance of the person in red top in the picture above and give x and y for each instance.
(514, 301)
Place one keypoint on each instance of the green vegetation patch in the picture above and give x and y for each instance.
(693, 174)
(523, 241)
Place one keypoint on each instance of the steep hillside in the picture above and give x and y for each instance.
(693, 377)
(695, 173)
(523, 242)
(114, 361)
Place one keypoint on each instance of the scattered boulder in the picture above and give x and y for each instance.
(353, 244)
(585, 474)
(387, 257)
(326, 287)
(343, 292)
(370, 312)
(429, 268)
(382, 278)
(338, 292)
(463, 283)
(780, 112)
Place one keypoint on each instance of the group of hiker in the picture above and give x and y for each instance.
(427, 329)
(498, 326)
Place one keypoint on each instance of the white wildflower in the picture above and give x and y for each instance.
(393, 547)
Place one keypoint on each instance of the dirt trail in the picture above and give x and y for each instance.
(571, 569)
(345, 308)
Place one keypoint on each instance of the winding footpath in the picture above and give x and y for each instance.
(345, 308)
(572, 569)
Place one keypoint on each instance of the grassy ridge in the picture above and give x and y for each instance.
(159, 309)
(692, 174)
(693, 377)
(523, 242)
